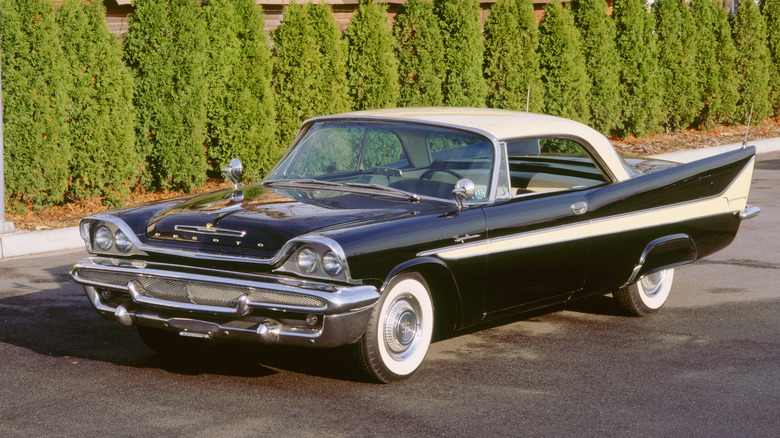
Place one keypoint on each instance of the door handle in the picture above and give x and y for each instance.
(579, 208)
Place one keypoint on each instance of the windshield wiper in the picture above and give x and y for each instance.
(391, 190)
(304, 181)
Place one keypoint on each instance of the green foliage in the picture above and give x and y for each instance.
(102, 117)
(636, 47)
(241, 114)
(166, 51)
(372, 69)
(771, 11)
(36, 83)
(597, 33)
(562, 64)
(463, 52)
(530, 74)
(752, 62)
(309, 67)
(504, 44)
(678, 68)
(419, 49)
(715, 56)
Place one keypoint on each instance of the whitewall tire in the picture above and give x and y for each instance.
(648, 294)
(399, 331)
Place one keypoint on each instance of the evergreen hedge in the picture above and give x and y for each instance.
(241, 114)
(419, 50)
(463, 52)
(105, 163)
(529, 55)
(503, 54)
(36, 83)
(562, 64)
(597, 33)
(678, 66)
(332, 79)
(771, 11)
(166, 51)
(636, 47)
(372, 69)
(752, 63)
(715, 56)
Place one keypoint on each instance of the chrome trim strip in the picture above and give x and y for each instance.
(209, 230)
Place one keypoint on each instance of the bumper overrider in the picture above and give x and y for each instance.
(210, 304)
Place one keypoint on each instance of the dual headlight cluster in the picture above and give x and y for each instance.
(317, 257)
(105, 237)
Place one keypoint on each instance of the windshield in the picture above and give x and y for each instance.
(419, 159)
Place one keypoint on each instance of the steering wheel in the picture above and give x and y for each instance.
(432, 170)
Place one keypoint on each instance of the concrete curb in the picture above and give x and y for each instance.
(28, 243)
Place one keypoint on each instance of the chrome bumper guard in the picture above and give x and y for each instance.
(341, 312)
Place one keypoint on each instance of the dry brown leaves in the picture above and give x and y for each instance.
(70, 213)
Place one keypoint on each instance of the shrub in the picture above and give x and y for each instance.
(562, 65)
(752, 63)
(36, 83)
(678, 67)
(241, 115)
(529, 57)
(165, 49)
(715, 56)
(636, 49)
(503, 54)
(372, 70)
(771, 11)
(102, 117)
(463, 51)
(309, 67)
(597, 33)
(419, 49)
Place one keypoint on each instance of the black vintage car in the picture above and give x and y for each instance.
(375, 226)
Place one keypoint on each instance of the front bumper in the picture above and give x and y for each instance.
(217, 304)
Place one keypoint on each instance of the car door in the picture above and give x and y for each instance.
(538, 239)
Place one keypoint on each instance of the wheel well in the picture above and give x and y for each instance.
(444, 293)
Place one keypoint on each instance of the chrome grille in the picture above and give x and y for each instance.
(118, 278)
(273, 297)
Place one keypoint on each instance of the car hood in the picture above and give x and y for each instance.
(256, 217)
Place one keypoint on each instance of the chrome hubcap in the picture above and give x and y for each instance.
(402, 327)
(651, 284)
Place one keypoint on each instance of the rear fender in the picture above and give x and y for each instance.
(664, 253)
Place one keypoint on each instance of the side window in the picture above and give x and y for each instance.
(550, 164)
(383, 148)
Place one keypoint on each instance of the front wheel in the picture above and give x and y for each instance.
(399, 330)
(647, 295)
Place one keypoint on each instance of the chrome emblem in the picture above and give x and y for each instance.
(210, 230)
(463, 238)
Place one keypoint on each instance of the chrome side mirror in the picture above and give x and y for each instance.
(463, 191)
(233, 172)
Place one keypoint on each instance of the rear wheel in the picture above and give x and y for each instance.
(168, 342)
(399, 330)
(647, 295)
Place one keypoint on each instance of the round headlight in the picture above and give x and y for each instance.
(308, 260)
(123, 243)
(331, 264)
(104, 238)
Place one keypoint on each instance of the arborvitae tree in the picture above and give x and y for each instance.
(309, 67)
(166, 51)
(36, 82)
(678, 68)
(562, 65)
(503, 49)
(597, 33)
(241, 115)
(530, 76)
(102, 117)
(334, 90)
(372, 69)
(419, 49)
(771, 11)
(636, 48)
(752, 63)
(715, 56)
(463, 51)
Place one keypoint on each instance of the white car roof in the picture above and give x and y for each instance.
(506, 125)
